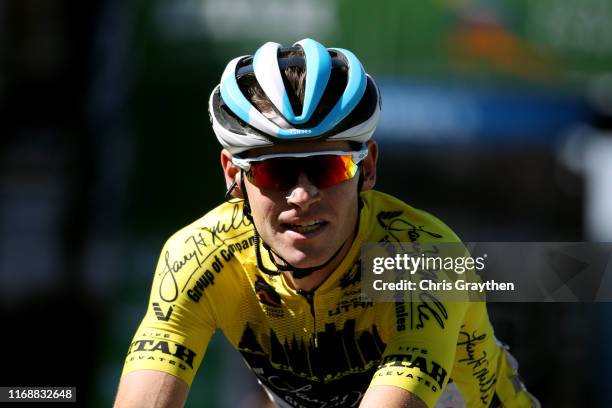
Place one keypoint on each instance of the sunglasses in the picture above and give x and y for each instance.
(281, 171)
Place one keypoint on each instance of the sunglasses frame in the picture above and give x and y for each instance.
(245, 164)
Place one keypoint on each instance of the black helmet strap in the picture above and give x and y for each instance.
(297, 273)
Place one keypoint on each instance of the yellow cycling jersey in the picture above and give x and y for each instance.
(326, 347)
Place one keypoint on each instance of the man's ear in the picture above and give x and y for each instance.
(369, 166)
(231, 173)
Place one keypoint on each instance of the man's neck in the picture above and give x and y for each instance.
(316, 279)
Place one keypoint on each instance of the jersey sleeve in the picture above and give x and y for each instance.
(176, 330)
(421, 327)
(483, 369)
(420, 351)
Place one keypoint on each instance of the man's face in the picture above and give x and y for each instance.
(304, 224)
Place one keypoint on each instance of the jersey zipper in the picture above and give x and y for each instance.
(309, 296)
(312, 338)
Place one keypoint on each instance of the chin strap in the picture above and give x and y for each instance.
(230, 189)
(297, 273)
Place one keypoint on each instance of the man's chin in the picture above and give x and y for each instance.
(305, 260)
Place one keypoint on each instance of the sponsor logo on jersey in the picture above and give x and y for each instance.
(403, 365)
(475, 357)
(172, 352)
(316, 357)
(346, 305)
(266, 293)
(230, 251)
(207, 277)
(400, 316)
(159, 313)
(399, 229)
(417, 314)
(352, 277)
(197, 290)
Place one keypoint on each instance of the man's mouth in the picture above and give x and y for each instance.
(305, 227)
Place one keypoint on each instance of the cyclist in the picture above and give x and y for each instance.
(276, 267)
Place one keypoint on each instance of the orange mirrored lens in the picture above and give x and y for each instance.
(282, 173)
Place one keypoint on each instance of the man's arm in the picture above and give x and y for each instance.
(149, 388)
(171, 341)
(389, 396)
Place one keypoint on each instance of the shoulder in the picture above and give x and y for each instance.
(401, 221)
(201, 254)
(224, 223)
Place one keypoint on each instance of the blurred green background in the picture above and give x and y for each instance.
(496, 115)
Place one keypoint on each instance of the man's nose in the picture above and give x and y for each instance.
(303, 194)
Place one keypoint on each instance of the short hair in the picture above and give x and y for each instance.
(294, 79)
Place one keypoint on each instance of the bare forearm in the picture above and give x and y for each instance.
(151, 389)
(388, 396)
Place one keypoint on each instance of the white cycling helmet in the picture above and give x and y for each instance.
(346, 110)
